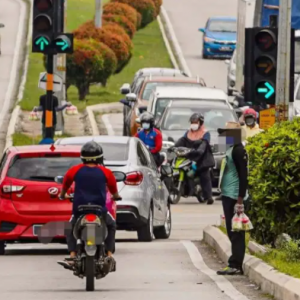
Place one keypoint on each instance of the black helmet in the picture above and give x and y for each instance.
(197, 118)
(92, 152)
(147, 117)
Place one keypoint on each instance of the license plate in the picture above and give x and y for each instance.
(225, 48)
(36, 229)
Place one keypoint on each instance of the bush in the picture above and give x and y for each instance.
(158, 4)
(84, 66)
(145, 7)
(274, 182)
(88, 31)
(122, 21)
(117, 29)
(121, 9)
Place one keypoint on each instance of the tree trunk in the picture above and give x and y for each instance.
(82, 90)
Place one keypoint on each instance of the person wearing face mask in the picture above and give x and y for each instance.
(198, 139)
(251, 126)
(234, 184)
(151, 136)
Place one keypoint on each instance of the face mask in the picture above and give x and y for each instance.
(250, 121)
(146, 125)
(194, 127)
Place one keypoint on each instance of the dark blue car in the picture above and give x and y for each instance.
(219, 38)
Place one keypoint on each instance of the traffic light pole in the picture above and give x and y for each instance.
(98, 14)
(283, 78)
(49, 129)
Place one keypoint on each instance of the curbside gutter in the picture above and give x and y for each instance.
(279, 285)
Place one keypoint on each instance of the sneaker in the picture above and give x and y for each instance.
(210, 201)
(230, 271)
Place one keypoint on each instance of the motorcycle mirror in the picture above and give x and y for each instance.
(59, 179)
(120, 176)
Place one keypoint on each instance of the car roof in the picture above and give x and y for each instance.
(196, 92)
(45, 149)
(201, 103)
(222, 18)
(99, 139)
(172, 79)
(159, 71)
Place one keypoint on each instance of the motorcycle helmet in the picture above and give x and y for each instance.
(91, 152)
(147, 120)
(195, 118)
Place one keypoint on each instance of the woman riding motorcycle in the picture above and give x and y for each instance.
(198, 139)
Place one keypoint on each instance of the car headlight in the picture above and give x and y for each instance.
(207, 39)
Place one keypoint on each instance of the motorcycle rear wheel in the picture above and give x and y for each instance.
(90, 273)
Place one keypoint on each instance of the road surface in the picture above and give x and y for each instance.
(12, 44)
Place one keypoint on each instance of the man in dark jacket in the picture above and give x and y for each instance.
(234, 182)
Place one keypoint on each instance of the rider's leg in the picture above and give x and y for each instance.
(206, 185)
(71, 241)
(111, 233)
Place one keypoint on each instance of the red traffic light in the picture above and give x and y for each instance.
(43, 5)
(42, 23)
(266, 40)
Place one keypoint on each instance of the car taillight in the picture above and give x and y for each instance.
(134, 178)
(12, 188)
(90, 218)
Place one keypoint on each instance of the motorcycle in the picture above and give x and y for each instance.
(90, 233)
(183, 176)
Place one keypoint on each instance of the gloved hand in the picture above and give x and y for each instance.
(239, 208)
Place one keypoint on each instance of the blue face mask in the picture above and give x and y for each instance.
(146, 125)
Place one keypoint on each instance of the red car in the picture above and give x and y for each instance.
(29, 194)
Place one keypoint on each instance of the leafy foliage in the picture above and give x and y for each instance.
(274, 180)
(158, 4)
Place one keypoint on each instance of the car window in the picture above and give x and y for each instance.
(141, 155)
(214, 118)
(40, 168)
(150, 159)
(222, 26)
(150, 87)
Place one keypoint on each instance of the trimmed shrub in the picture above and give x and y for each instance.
(121, 9)
(145, 7)
(117, 29)
(139, 20)
(84, 66)
(129, 27)
(88, 31)
(158, 4)
(274, 181)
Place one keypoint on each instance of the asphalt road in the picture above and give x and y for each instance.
(187, 16)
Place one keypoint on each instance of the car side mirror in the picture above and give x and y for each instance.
(2, 25)
(59, 179)
(125, 89)
(227, 61)
(120, 176)
(202, 30)
(131, 97)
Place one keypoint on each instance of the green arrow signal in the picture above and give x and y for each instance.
(268, 90)
(64, 45)
(42, 41)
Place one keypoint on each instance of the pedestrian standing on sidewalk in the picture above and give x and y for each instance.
(55, 108)
(234, 184)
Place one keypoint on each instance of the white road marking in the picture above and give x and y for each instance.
(108, 126)
(223, 284)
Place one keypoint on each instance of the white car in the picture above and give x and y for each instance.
(231, 74)
(1, 26)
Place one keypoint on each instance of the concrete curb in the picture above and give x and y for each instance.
(16, 112)
(277, 284)
(173, 40)
(102, 109)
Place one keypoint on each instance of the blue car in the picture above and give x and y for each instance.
(219, 38)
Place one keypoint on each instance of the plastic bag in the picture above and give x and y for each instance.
(241, 223)
(223, 221)
(34, 116)
(72, 110)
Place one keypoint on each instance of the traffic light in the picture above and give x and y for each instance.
(260, 65)
(63, 43)
(42, 30)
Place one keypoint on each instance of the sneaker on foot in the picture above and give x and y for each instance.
(230, 271)
(210, 201)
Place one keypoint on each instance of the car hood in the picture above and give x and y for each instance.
(222, 36)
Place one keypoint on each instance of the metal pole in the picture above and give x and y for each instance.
(49, 130)
(283, 60)
(98, 14)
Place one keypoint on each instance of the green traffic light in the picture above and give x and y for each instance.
(41, 42)
(268, 90)
(64, 45)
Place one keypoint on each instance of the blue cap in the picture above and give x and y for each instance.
(46, 141)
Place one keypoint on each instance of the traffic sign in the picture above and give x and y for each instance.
(267, 118)
(42, 43)
(57, 82)
(265, 91)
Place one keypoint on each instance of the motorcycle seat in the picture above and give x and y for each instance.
(89, 208)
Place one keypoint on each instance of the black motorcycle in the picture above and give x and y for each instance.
(90, 233)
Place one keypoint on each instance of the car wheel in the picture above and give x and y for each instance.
(203, 55)
(164, 232)
(2, 247)
(145, 233)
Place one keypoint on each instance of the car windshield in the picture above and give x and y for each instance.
(111, 151)
(150, 86)
(297, 57)
(222, 26)
(161, 104)
(214, 118)
(40, 168)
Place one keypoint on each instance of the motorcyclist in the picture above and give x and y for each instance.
(198, 139)
(91, 182)
(151, 136)
(250, 119)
